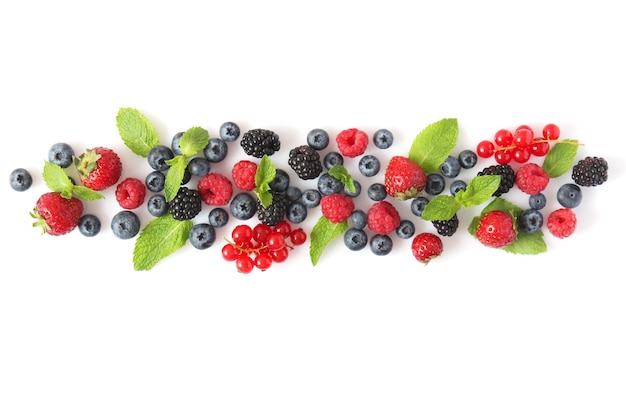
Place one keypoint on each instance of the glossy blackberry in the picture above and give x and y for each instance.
(447, 227)
(406, 229)
(202, 236)
(218, 217)
(355, 239)
(569, 195)
(89, 225)
(157, 205)
(296, 212)
(451, 167)
(216, 150)
(275, 212)
(20, 179)
(507, 177)
(369, 165)
(259, 142)
(590, 171)
(305, 161)
(435, 184)
(61, 154)
(381, 245)
(311, 198)
(377, 191)
(537, 201)
(468, 159)
(155, 181)
(243, 206)
(530, 220)
(281, 181)
(332, 158)
(358, 218)
(382, 139)
(418, 204)
(229, 131)
(186, 205)
(318, 139)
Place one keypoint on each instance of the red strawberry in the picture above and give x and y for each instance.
(426, 246)
(99, 168)
(57, 215)
(496, 229)
(404, 178)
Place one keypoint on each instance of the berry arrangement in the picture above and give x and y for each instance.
(262, 209)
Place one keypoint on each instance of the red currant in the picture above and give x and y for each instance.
(503, 138)
(275, 241)
(551, 131)
(503, 156)
(280, 255)
(485, 149)
(230, 252)
(525, 127)
(521, 155)
(263, 261)
(260, 232)
(522, 138)
(298, 236)
(242, 234)
(283, 228)
(539, 147)
(244, 263)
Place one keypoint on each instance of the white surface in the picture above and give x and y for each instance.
(476, 332)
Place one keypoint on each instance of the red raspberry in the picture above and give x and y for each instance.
(337, 207)
(215, 189)
(243, 174)
(562, 222)
(130, 193)
(352, 142)
(496, 229)
(531, 178)
(383, 218)
(426, 246)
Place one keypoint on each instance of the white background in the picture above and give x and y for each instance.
(476, 332)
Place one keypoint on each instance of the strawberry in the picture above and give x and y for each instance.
(404, 178)
(426, 246)
(496, 229)
(55, 214)
(99, 168)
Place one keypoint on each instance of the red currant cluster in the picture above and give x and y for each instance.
(518, 145)
(262, 245)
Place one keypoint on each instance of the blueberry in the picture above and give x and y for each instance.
(281, 181)
(569, 195)
(358, 219)
(157, 205)
(530, 220)
(229, 131)
(202, 236)
(61, 154)
(332, 158)
(20, 179)
(468, 159)
(318, 139)
(199, 166)
(155, 181)
(381, 244)
(456, 186)
(537, 201)
(243, 206)
(157, 157)
(356, 192)
(406, 229)
(355, 239)
(382, 139)
(327, 184)
(186, 176)
(451, 167)
(377, 191)
(296, 212)
(218, 217)
(311, 198)
(293, 193)
(418, 204)
(369, 165)
(175, 146)
(89, 225)
(125, 224)
(435, 184)
(216, 150)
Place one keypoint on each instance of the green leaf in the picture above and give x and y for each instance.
(136, 131)
(57, 180)
(85, 193)
(527, 244)
(478, 190)
(265, 174)
(441, 207)
(174, 176)
(193, 141)
(560, 158)
(500, 203)
(264, 195)
(434, 143)
(323, 232)
(341, 173)
(161, 237)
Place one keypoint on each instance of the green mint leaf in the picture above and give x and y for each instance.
(57, 180)
(560, 158)
(478, 190)
(193, 141)
(265, 174)
(527, 244)
(264, 195)
(341, 173)
(161, 237)
(323, 232)
(441, 207)
(434, 143)
(136, 131)
(85, 193)
(174, 176)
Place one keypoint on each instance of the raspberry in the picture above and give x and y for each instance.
(215, 189)
(590, 171)
(352, 142)
(531, 178)
(337, 207)
(383, 218)
(130, 193)
(243, 173)
(426, 246)
(562, 222)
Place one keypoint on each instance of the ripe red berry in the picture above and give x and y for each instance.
(496, 229)
(531, 178)
(244, 263)
(260, 232)
(352, 142)
(503, 138)
(230, 252)
(383, 218)
(243, 174)
(215, 189)
(275, 241)
(539, 147)
(298, 236)
(523, 137)
(55, 214)
(337, 207)
(280, 255)
(242, 234)
(99, 168)
(130, 193)
(426, 246)
(283, 227)
(551, 131)
(521, 155)
(263, 261)
(503, 156)
(562, 222)
(485, 149)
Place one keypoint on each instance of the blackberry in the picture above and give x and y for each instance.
(186, 205)
(507, 177)
(259, 142)
(447, 227)
(305, 161)
(590, 171)
(275, 212)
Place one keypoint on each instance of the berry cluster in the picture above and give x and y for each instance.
(518, 145)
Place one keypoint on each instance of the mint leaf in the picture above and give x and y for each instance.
(478, 190)
(265, 174)
(434, 143)
(136, 131)
(323, 232)
(193, 141)
(341, 173)
(527, 244)
(174, 176)
(161, 237)
(441, 207)
(57, 180)
(500, 203)
(85, 193)
(560, 158)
